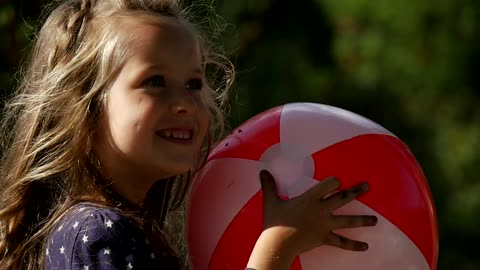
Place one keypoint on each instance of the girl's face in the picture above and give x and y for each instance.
(156, 117)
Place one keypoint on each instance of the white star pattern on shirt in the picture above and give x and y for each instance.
(85, 239)
(109, 224)
(90, 244)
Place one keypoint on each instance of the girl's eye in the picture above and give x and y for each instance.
(194, 84)
(155, 81)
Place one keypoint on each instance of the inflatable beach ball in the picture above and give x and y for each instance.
(301, 144)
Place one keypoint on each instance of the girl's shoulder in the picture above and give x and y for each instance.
(89, 236)
(88, 215)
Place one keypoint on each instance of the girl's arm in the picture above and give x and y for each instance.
(297, 225)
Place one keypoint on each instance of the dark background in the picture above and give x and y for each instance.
(411, 66)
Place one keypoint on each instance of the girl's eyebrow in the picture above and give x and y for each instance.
(197, 70)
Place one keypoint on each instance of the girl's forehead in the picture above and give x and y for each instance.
(168, 33)
(158, 27)
(161, 43)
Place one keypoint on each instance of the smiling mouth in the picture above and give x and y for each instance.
(175, 135)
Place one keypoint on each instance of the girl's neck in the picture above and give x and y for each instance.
(130, 181)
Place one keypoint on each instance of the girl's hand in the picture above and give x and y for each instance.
(297, 225)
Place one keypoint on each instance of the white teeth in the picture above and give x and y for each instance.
(177, 134)
(180, 134)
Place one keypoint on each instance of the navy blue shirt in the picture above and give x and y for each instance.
(90, 237)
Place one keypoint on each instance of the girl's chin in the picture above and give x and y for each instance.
(175, 172)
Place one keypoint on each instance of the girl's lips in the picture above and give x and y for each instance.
(178, 141)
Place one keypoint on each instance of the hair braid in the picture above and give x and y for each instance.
(67, 29)
(76, 23)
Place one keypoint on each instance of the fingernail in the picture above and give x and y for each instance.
(264, 174)
(334, 179)
(365, 186)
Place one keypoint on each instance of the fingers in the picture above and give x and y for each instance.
(345, 196)
(323, 188)
(342, 242)
(269, 187)
(342, 222)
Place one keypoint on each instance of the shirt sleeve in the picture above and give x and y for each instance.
(97, 239)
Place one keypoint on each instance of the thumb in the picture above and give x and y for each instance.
(269, 186)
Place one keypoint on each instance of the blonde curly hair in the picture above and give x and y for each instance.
(49, 125)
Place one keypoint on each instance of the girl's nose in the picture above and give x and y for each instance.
(182, 102)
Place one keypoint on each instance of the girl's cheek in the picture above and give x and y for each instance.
(201, 103)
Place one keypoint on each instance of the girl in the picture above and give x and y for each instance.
(106, 129)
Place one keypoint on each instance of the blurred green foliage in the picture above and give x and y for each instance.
(409, 66)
